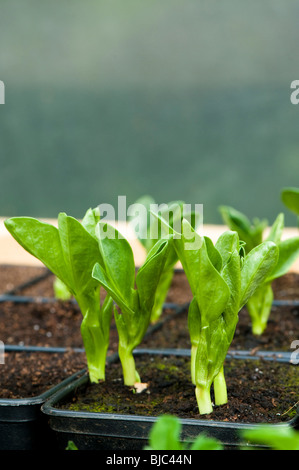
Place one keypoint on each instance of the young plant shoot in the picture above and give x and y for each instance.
(61, 292)
(70, 252)
(117, 276)
(149, 230)
(290, 198)
(260, 303)
(221, 280)
(166, 432)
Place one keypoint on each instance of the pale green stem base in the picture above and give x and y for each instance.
(220, 390)
(259, 308)
(95, 333)
(97, 372)
(203, 397)
(130, 373)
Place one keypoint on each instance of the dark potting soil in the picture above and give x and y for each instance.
(179, 291)
(13, 276)
(281, 331)
(53, 324)
(258, 391)
(285, 288)
(28, 374)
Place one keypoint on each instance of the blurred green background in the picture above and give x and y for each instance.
(179, 99)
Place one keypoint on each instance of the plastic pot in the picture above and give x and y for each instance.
(22, 424)
(105, 431)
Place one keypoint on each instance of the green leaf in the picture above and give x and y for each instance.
(259, 307)
(257, 266)
(290, 198)
(41, 240)
(288, 253)
(118, 260)
(189, 258)
(276, 437)
(227, 243)
(68, 251)
(212, 292)
(90, 221)
(149, 274)
(231, 273)
(250, 233)
(213, 254)
(165, 434)
(61, 292)
(80, 251)
(203, 442)
(276, 230)
(99, 274)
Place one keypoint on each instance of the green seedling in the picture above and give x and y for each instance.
(260, 304)
(290, 198)
(250, 232)
(276, 437)
(222, 279)
(149, 231)
(70, 252)
(61, 292)
(165, 435)
(133, 294)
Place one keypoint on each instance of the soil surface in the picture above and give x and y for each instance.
(13, 277)
(258, 391)
(49, 324)
(28, 374)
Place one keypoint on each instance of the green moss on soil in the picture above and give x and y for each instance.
(258, 391)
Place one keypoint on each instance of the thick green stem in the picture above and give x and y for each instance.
(220, 390)
(95, 333)
(127, 360)
(259, 308)
(203, 397)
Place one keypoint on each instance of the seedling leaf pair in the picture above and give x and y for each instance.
(70, 251)
(149, 230)
(117, 275)
(260, 303)
(221, 282)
